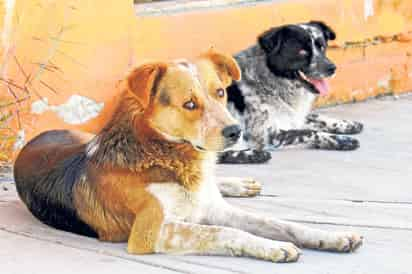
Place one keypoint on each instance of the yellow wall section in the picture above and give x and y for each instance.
(233, 29)
(59, 48)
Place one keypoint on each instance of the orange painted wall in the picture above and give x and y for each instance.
(235, 28)
(84, 47)
(55, 49)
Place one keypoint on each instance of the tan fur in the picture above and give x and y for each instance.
(113, 200)
(146, 228)
(143, 80)
(225, 64)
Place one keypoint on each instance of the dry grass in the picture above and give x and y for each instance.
(7, 135)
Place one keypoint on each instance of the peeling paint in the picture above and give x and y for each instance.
(384, 83)
(20, 139)
(77, 109)
(40, 106)
(368, 9)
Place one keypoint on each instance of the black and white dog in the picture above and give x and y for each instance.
(281, 76)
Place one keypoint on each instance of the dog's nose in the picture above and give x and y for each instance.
(331, 69)
(232, 132)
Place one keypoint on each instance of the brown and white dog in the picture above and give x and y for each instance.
(148, 177)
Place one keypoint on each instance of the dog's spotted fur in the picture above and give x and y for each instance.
(273, 103)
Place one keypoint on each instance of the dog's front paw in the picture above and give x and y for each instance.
(345, 143)
(284, 253)
(239, 187)
(259, 156)
(353, 127)
(248, 187)
(244, 157)
(356, 128)
(335, 142)
(346, 242)
(347, 127)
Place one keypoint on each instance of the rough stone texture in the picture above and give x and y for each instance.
(368, 190)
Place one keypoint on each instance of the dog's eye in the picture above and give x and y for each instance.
(303, 52)
(190, 105)
(220, 92)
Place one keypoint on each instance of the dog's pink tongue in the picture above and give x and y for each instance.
(321, 85)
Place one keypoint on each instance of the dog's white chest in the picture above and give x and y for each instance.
(182, 204)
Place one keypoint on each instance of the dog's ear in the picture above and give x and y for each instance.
(142, 81)
(327, 31)
(271, 40)
(226, 66)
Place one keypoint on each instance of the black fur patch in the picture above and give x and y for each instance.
(326, 30)
(50, 197)
(282, 46)
(234, 95)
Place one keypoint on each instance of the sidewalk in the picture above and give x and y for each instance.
(369, 191)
